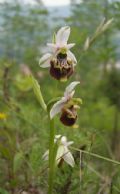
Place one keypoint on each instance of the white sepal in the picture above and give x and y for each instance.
(45, 60)
(63, 35)
(70, 88)
(57, 107)
(60, 153)
(52, 45)
(72, 57)
(68, 158)
(69, 46)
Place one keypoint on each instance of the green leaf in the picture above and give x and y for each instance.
(9, 137)
(5, 152)
(18, 161)
(38, 94)
(8, 145)
(3, 191)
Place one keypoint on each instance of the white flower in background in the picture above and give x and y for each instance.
(67, 106)
(61, 60)
(63, 152)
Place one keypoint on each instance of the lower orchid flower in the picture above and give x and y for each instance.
(67, 106)
(61, 60)
(63, 152)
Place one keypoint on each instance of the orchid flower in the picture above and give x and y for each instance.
(61, 60)
(63, 152)
(67, 106)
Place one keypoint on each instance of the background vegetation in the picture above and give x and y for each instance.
(24, 132)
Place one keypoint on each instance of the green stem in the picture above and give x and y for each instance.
(52, 156)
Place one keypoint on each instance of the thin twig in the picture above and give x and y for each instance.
(97, 156)
(80, 172)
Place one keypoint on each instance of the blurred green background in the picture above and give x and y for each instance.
(24, 131)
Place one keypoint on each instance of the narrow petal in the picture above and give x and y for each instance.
(51, 45)
(57, 107)
(63, 35)
(44, 60)
(72, 57)
(68, 158)
(69, 143)
(69, 46)
(46, 64)
(54, 47)
(57, 137)
(65, 142)
(70, 88)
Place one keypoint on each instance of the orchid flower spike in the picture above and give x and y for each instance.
(67, 106)
(63, 152)
(61, 60)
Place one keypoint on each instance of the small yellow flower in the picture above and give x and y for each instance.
(3, 116)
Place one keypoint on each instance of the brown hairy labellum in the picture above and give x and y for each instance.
(69, 116)
(61, 68)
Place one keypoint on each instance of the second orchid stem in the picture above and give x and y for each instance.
(52, 156)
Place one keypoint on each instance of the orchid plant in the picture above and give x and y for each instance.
(61, 63)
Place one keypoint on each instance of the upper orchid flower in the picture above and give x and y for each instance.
(67, 106)
(61, 60)
(63, 153)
